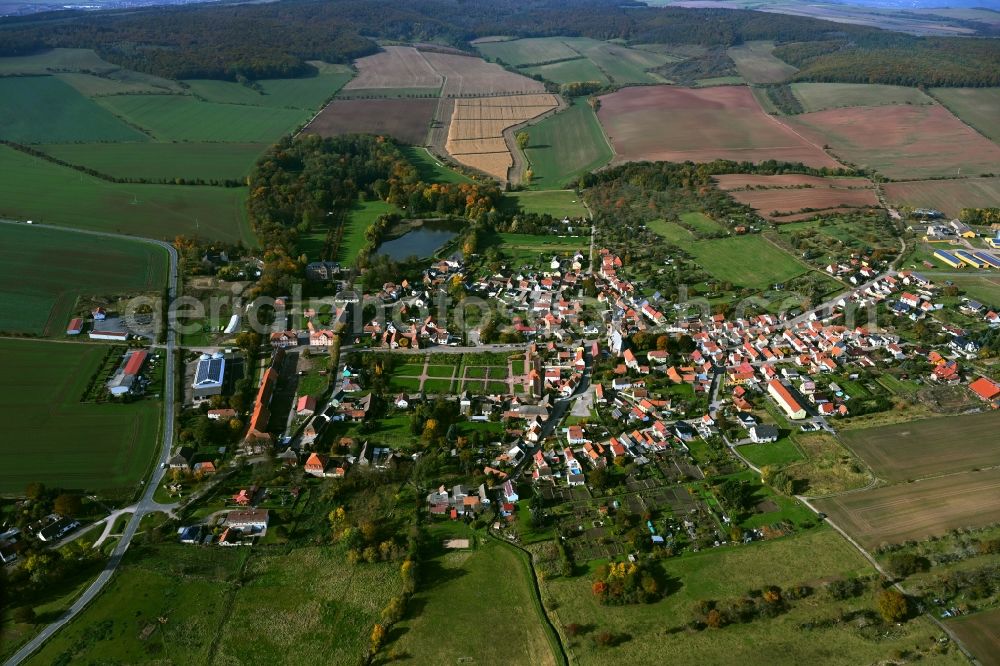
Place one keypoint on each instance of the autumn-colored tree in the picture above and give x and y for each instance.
(714, 619)
(378, 636)
(68, 505)
(772, 595)
(892, 605)
(599, 587)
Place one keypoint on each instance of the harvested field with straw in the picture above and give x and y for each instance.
(466, 76)
(395, 67)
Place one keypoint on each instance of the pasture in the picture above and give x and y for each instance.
(485, 583)
(755, 63)
(568, 71)
(557, 203)
(701, 125)
(162, 161)
(928, 447)
(918, 510)
(980, 633)
(779, 453)
(361, 216)
(671, 231)
(747, 261)
(475, 133)
(185, 118)
(33, 189)
(823, 96)
(777, 196)
(44, 271)
(948, 196)
(430, 168)
(901, 141)
(68, 116)
(566, 145)
(531, 51)
(308, 93)
(407, 120)
(51, 436)
(808, 558)
(974, 106)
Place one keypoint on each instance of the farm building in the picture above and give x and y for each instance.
(75, 326)
(988, 259)
(948, 258)
(970, 259)
(115, 336)
(124, 378)
(209, 375)
(783, 396)
(986, 389)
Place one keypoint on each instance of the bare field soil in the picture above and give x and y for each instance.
(466, 76)
(928, 447)
(405, 119)
(738, 181)
(917, 510)
(948, 196)
(701, 125)
(475, 132)
(980, 633)
(395, 67)
(904, 141)
(775, 197)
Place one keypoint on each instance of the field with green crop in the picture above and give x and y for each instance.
(557, 203)
(566, 145)
(33, 189)
(306, 93)
(162, 161)
(757, 64)
(185, 118)
(43, 271)
(975, 106)
(521, 52)
(726, 575)
(822, 96)
(50, 436)
(568, 71)
(39, 109)
(747, 261)
(487, 583)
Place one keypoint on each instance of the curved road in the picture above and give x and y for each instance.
(146, 503)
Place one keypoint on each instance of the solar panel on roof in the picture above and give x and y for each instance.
(209, 371)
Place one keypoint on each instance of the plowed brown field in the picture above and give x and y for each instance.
(395, 67)
(405, 119)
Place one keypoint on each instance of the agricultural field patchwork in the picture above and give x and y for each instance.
(68, 116)
(307, 93)
(407, 120)
(780, 197)
(928, 447)
(918, 510)
(44, 271)
(701, 125)
(566, 145)
(34, 189)
(823, 96)
(467, 75)
(974, 106)
(901, 141)
(53, 437)
(757, 64)
(948, 196)
(475, 134)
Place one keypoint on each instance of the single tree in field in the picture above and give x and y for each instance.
(522, 140)
(25, 615)
(892, 605)
(68, 505)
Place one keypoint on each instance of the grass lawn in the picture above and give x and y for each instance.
(808, 558)
(437, 386)
(53, 437)
(565, 145)
(748, 261)
(44, 271)
(777, 453)
(440, 371)
(33, 189)
(68, 115)
(488, 584)
(191, 587)
(411, 384)
(557, 203)
(185, 118)
(568, 71)
(497, 387)
(429, 168)
(701, 222)
(671, 231)
(162, 161)
(362, 215)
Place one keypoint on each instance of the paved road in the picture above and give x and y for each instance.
(146, 503)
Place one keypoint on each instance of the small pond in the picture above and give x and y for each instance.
(422, 242)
